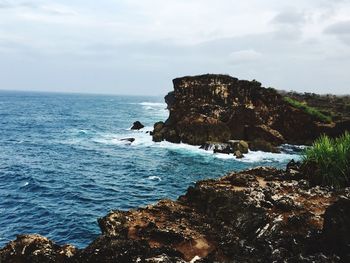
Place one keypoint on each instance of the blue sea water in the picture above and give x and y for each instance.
(62, 164)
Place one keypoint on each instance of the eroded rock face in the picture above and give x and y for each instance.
(35, 248)
(258, 215)
(219, 108)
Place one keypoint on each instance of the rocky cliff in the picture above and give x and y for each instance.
(218, 108)
(258, 215)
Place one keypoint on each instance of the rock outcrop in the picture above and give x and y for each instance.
(35, 248)
(238, 148)
(258, 215)
(219, 108)
(137, 126)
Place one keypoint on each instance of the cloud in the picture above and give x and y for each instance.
(138, 46)
(243, 56)
(37, 7)
(4, 4)
(341, 30)
(290, 17)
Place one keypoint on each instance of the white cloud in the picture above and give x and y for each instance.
(271, 40)
(242, 56)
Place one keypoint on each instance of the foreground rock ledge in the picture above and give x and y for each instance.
(258, 215)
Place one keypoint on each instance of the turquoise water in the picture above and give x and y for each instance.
(62, 164)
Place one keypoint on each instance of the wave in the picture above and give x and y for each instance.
(251, 157)
(259, 156)
(158, 108)
(153, 104)
(144, 140)
(155, 178)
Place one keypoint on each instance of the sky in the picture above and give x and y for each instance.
(137, 47)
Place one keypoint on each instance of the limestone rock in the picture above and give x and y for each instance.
(220, 108)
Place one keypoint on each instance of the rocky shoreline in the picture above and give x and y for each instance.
(215, 109)
(258, 215)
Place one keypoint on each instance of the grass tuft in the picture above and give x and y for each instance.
(330, 160)
(310, 110)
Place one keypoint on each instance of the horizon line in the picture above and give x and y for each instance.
(80, 93)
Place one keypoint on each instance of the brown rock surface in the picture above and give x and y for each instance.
(258, 215)
(35, 248)
(220, 108)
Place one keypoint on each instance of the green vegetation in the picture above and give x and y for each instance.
(330, 160)
(347, 107)
(310, 110)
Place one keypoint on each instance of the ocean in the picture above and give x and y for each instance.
(62, 164)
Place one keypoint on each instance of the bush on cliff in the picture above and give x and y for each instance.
(327, 162)
(309, 110)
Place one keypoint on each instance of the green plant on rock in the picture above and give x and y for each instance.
(309, 110)
(329, 160)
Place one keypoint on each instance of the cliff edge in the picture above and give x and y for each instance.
(258, 215)
(219, 108)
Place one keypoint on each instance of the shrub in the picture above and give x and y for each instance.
(347, 107)
(329, 160)
(310, 110)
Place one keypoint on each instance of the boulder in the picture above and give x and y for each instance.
(238, 154)
(241, 146)
(261, 145)
(137, 126)
(224, 148)
(336, 228)
(36, 249)
(293, 170)
(158, 133)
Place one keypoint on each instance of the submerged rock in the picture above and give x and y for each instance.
(137, 126)
(237, 148)
(131, 140)
(258, 215)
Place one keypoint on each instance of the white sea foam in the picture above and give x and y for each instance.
(24, 184)
(182, 147)
(251, 157)
(83, 131)
(143, 139)
(154, 104)
(111, 139)
(259, 156)
(155, 178)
